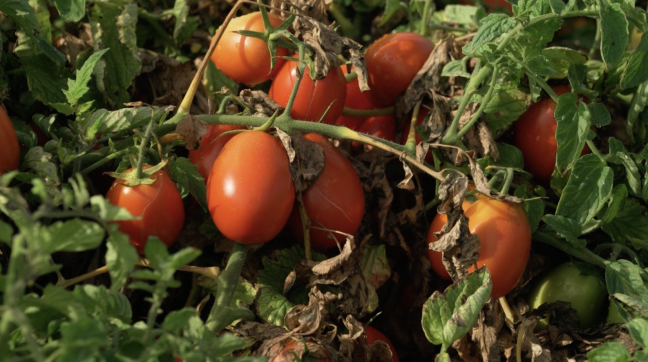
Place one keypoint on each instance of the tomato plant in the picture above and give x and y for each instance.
(392, 63)
(355, 99)
(374, 335)
(381, 126)
(421, 117)
(159, 205)
(313, 97)
(309, 351)
(505, 236)
(535, 136)
(570, 283)
(9, 148)
(250, 190)
(210, 146)
(491, 4)
(246, 59)
(335, 201)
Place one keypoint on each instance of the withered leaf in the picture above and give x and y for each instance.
(300, 350)
(407, 183)
(308, 162)
(307, 320)
(481, 183)
(286, 141)
(260, 102)
(192, 129)
(530, 342)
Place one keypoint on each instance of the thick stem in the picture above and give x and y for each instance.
(579, 252)
(410, 145)
(508, 179)
(482, 106)
(426, 17)
(300, 74)
(364, 113)
(544, 86)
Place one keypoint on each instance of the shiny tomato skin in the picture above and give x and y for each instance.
(374, 335)
(381, 126)
(355, 99)
(313, 97)
(9, 147)
(505, 237)
(245, 59)
(210, 146)
(392, 63)
(250, 190)
(159, 205)
(335, 200)
(292, 348)
(535, 136)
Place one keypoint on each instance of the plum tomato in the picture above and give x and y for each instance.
(421, 117)
(313, 97)
(245, 59)
(392, 63)
(9, 147)
(355, 99)
(535, 136)
(374, 335)
(381, 126)
(159, 206)
(210, 146)
(335, 201)
(505, 236)
(250, 190)
(314, 352)
(570, 282)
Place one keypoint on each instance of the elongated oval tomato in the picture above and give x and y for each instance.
(374, 335)
(505, 237)
(381, 126)
(159, 205)
(392, 63)
(355, 99)
(210, 146)
(535, 136)
(245, 59)
(250, 190)
(9, 147)
(313, 97)
(335, 201)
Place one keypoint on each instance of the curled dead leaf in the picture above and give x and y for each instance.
(308, 162)
(260, 102)
(192, 130)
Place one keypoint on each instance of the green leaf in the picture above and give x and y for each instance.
(560, 59)
(104, 303)
(70, 10)
(609, 352)
(104, 121)
(120, 258)
(73, 235)
(180, 11)
(455, 68)
(20, 12)
(6, 232)
(38, 160)
(615, 203)
(107, 211)
(534, 208)
(189, 180)
(114, 27)
(639, 331)
(490, 27)
(272, 306)
(587, 190)
(82, 340)
(567, 228)
(25, 134)
(214, 81)
(449, 316)
(539, 65)
(639, 101)
(45, 79)
(79, 87)
(614, 32)
(619, 156)
(623, 277)
(571, 132)
(599, 115)
(156, 252)
(391, 6)
(629, 224)
(636, 71)
(178, 320)
(505, 107)
(183, 257)
(461, 14)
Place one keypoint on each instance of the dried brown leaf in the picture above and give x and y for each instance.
(192, 129)
(308, 163)
(530, 344)
(260, 102)
(407, 183)
(307, 320)
(72, 46)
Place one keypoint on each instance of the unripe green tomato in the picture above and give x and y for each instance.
(566, 283)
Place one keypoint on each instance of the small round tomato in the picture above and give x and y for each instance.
(250, 190)
(392, 63)
(355, 99)
(9, 147)
(505, 236)
(313, 97)
(382, 126)
(421, 117)
(569, 283)
(535, 136)
(335, 201)
(159, 206)
(304, 350)
(374, 335)
(210, 146)
(245, 59)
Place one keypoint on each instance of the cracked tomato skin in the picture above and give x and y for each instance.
(9, 147)
(159, 205)
(250, 190)
(505, 236)
(392, 63)
(374, 335)
(210, 146)
(535, 136)
(244, 59)
(335, 201)
(313, 97)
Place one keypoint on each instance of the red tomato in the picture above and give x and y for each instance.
(535, 136)
(335, 201)
(383, 127)
(245, 59)
(159, 206)
(392, 63)
(210, 147)
(313, 98)
(292, 348)
(250, 190)
(355, 99)
(374, 335)
(505, 236)
(9, 148)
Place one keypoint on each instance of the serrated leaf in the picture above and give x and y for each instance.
(490, 27)
(156, 252)
(455, 68)
(505, 107)
(183, 257)
(26, 136)
(609, 352)
(107, 211)
(120, 258)
(623, 277)
(178, 320)
(571, 131)
(104, 121)
(629, 224)
(567, 228)
(560, 59)
(616, 202)
(272, 306)
(188, 180)
(73, 235)
(619, 156)
(599, 115)
(70, 10)
(180, 11)
(214, 81)
(45, 79)
(105, 303)
(79, 87)
(614, 32)
(40, 161)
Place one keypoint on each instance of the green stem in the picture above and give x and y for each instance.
(410, 145)
(348, 29)
(426, 17)
(153, 22)
(595, 150)
(542, 83)
(300, 74)
(103, 161)
(508, 179)
(365, 113)
(142, 148)
(353, 75)
(597, 40)
(448, 28)
(482, 106)
(569, 248)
